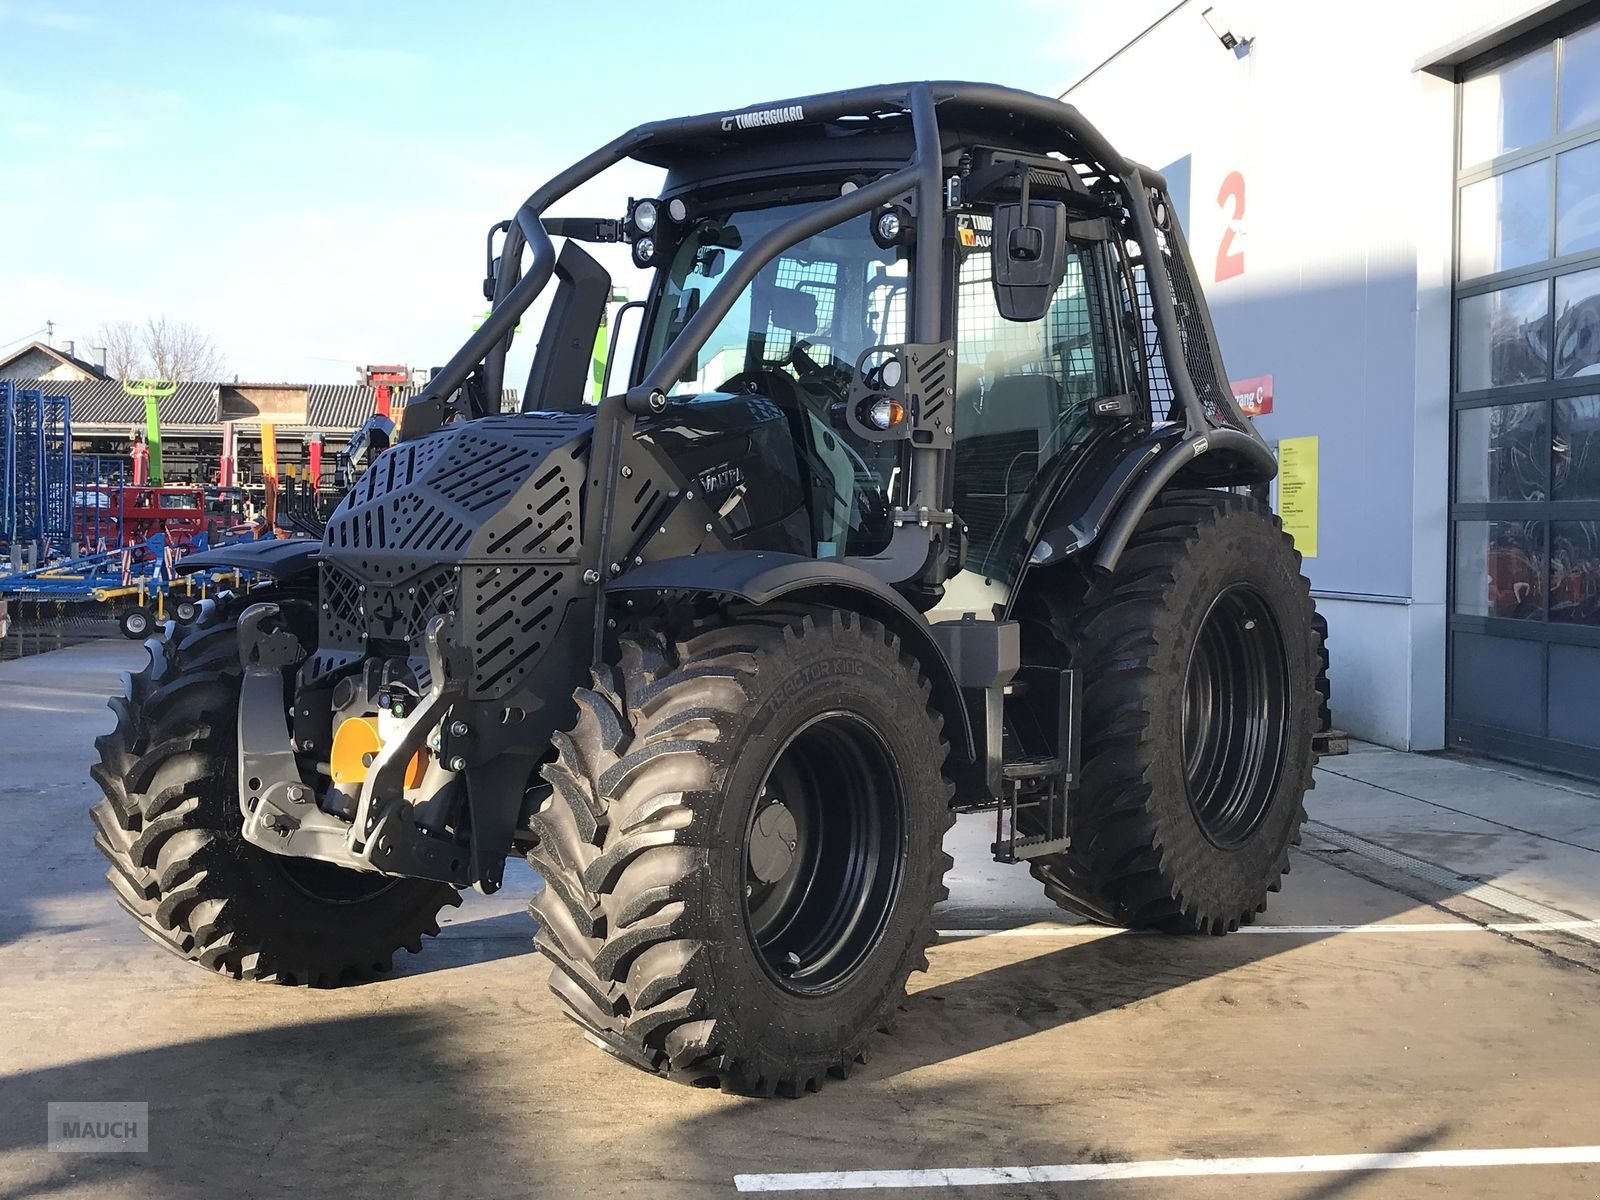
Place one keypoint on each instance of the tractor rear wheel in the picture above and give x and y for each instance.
(1200, 701)
(171, 828)
(742, 848)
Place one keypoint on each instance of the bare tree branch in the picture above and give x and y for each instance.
(124, 353)
(160, 348)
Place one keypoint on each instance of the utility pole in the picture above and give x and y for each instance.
(49, 333)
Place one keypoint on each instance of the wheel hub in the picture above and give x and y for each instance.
(773, 843)
(823, 852)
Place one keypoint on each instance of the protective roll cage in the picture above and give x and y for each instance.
(1214, 426)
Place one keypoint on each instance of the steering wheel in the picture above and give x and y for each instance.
(765, 381)
(800, 358)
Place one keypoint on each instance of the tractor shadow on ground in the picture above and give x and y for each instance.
(475, 1086)
(393, 1104)
(1045, 985)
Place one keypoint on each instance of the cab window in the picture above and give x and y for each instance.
(1023, 397)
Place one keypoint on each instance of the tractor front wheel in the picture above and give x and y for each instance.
(742, 848)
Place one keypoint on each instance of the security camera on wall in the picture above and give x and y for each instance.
(1219, 26)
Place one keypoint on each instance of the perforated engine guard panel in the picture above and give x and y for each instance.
(480, 522)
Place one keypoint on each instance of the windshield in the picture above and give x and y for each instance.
(823, 301)
(793, 337)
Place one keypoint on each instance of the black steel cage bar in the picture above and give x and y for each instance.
(513, 294)
(1161, 301)
(927, 489)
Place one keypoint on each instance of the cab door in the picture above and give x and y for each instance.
(1026, 396)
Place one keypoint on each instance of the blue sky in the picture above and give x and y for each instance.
(311, 184)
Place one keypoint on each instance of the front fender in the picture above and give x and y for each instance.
(762, 576)
(280, 558)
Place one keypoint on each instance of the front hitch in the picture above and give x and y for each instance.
(280, 807)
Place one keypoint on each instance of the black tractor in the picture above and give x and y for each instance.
(925, 494)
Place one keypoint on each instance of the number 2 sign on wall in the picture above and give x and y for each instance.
(1230, 198)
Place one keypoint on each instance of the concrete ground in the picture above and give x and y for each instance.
(1426, 983)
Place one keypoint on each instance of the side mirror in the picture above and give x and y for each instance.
(1029, 257)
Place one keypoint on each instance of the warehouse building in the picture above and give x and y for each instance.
(1395, 211)
(106, 416)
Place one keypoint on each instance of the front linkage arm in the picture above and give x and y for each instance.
(280, 809)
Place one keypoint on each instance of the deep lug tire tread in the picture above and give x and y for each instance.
(1120, 868)
(169, 826)
(622, 845)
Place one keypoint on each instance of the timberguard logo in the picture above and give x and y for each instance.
(117, 1127)
(784, 115)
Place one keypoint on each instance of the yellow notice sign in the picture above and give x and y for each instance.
(1297, 492)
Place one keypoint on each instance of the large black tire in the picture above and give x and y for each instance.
(171, 828)
(1187, 827)
(664, 912)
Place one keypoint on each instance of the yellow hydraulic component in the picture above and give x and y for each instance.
(355, 744)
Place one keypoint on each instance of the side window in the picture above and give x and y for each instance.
(1023, 398)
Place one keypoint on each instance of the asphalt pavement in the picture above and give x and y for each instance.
(1415, 1015)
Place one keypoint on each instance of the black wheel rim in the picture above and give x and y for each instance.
(1235, 716)
(823, 853)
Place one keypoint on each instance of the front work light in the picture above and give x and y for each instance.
(893, 226)
(644, 252)
(644, 216)
(885, 412)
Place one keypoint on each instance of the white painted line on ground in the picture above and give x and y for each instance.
(1457, 884)
(1170, 1168)
(1095, 931)
(1441, 927)
(1055, 931)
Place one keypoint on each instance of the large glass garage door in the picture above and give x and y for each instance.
(1525, 627)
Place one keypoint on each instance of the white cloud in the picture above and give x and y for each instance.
(374, 64)
(280, 22)
(100, 140)
(46, 16)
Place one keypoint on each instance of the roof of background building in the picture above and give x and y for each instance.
(103, 403)
(61, 356)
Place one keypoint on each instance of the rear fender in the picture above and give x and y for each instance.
(1103, 505)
